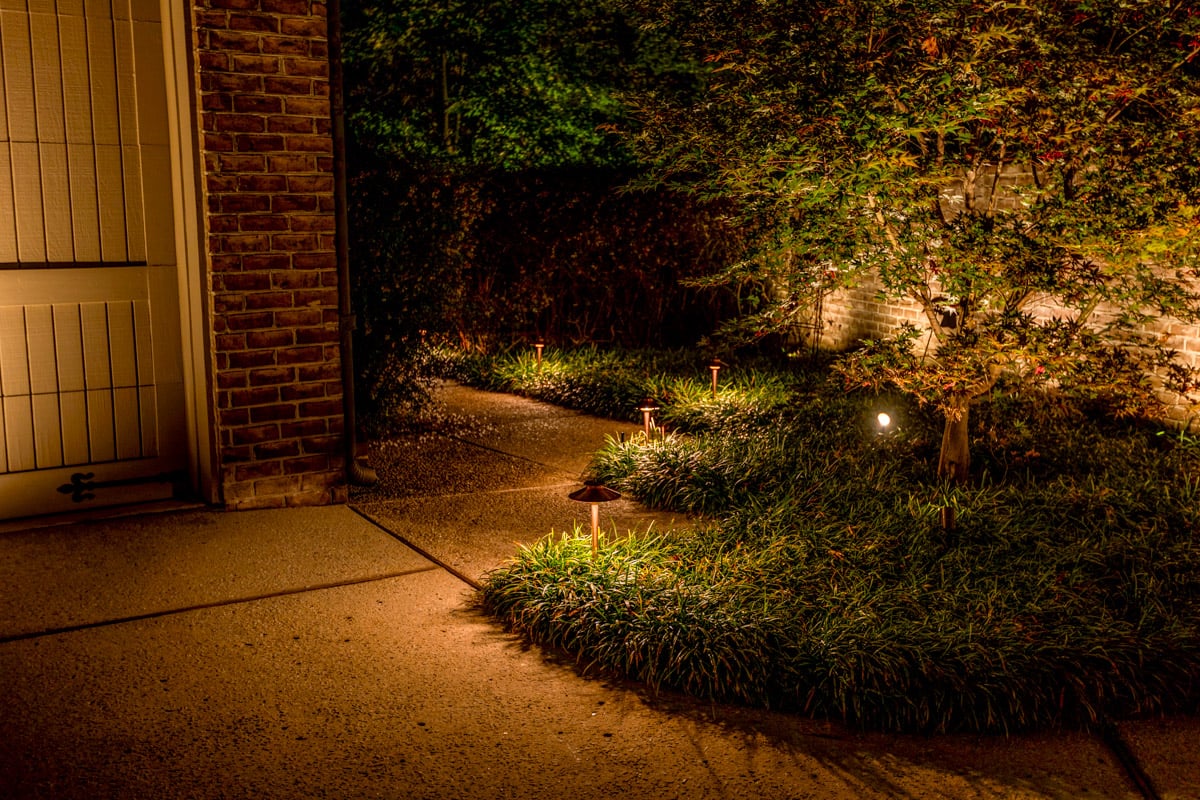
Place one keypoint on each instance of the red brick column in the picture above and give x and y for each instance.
(268, 207)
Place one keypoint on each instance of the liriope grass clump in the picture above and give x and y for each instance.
(823, 581)
(614, 384)
(885, 620)
(631, 610)
(819, 448)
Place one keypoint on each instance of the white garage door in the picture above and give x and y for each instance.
(91, 391)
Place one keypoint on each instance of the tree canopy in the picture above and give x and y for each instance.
(487, 196)
(1025, 172)
(493, 85)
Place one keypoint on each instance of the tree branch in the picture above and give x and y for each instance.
(996, 181)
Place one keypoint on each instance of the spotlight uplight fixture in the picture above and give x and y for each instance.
(594, 493)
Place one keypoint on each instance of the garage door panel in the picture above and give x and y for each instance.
(47, 431)
(18, 433)
(92, 403)
(75, 428)
(80, 390)
(68, 347)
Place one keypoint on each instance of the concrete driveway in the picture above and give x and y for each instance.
(310, 653)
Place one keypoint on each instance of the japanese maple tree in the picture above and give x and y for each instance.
(877, 138)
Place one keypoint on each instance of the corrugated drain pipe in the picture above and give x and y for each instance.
(357, 473)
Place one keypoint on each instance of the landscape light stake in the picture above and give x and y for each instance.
(714, 366)
(594, 493)
(949, 516)
(647, 408)
(538, 347)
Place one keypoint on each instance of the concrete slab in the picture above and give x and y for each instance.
(477, 532)
(1168, 750)
(527, 428)
(305, 653)
(497, 406)
(398, 688)
(569, 447)
(81, 574)
(432, 464)
(501, 470)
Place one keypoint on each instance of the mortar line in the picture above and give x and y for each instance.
(107, 623)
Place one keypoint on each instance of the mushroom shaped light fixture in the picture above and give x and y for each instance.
(539, 346)
(594, 493)
(647, 408)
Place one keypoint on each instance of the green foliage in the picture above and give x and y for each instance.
(395, 310)
(675, 625)
(889, 147)
(487, 201)
(502, 85)
(615, 383)
(824, 583)
(783, 453)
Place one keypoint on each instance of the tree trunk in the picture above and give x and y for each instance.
(954, 461)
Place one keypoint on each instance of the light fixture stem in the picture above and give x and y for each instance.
(595, 528)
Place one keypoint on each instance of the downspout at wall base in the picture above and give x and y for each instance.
(357, 473)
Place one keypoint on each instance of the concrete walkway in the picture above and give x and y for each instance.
(311, 653)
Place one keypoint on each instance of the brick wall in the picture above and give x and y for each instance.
(851, 315)
(267, 178)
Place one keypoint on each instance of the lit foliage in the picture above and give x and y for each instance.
(843, 127)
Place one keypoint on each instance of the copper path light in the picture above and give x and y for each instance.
(714, 366)
(647, 408)
(538, 347)
(594, 493)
